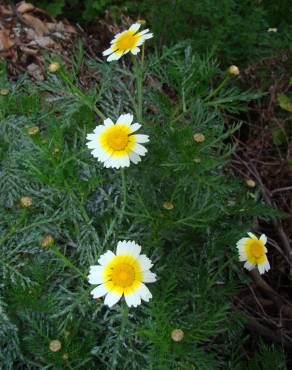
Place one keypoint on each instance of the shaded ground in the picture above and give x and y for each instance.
(263, 155)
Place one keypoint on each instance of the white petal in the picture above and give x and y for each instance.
(134, 249)
(112, 298)
(263, 238)
(148, 36)
(135, 126)
(144, 292)
(133, 299)
(122, 247)
(108, 122)
(149, 277)
(101, 154)
(96, 275)
(114, 56)
(145, 262)
(249, 265)
(116, 162)
(99, 291)
(135, 27)
(125, 119)
(141, 138)
(135, 50)
(99, 129)
(105, 258)
(92, 144)
(251, 235)
(108, 51)
(135, 158)
(91, 137)
(143, 32)
(139, 149)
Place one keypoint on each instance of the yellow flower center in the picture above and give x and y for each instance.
(123, 275)
(117, 139)
(256, 248)
(126, 41)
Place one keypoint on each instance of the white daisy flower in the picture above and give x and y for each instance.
(252, 251)
(123, 273)
(126, 41)
(115, 144)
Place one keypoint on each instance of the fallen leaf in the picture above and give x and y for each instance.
(5, 42)
(36, 23)
(24, 7)
(35, 71)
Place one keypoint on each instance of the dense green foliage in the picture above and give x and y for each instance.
(80, 203)
(236, 29)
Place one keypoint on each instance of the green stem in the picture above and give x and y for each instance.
(138, 70)
(66, 261)
(220, 86)
(125, 316)
(81, 95)
(124, 193)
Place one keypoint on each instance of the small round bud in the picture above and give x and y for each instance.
(26, 202)
(197, 160)
(67, 333)
(199, 138)
(250, 183)
(141, 21)
(233, 70)
(4, 92)
(47, 241)
(168, 205)
(55, 345)
(65, 356)
(33, 130)
(55, 149)
(177, 335)
(54, 67)
(272, 29)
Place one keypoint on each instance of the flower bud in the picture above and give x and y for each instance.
(197, 160)
(65, 356)
(177, 335)
(250, 183)
(33, 130)
(26, 202)
(199, 138)
(168, 205)
(55, 345)
(4, 92)
(47, 241)
(54, 67)
(233, 70)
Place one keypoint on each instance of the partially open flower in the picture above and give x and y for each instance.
(233, 70)
(177, 335)
(55, 345)
(253, 252)
(126, 41)
(26, 202)
(54, 67)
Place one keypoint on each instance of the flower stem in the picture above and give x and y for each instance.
(138, 70)
(125, 316)
(66, 261)
(124, 193)
(219, 87)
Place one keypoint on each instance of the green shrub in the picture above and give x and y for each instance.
(80, 203)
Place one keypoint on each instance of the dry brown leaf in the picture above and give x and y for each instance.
(24, 7)
(36, 23)
(35, 71)
(5, 42)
